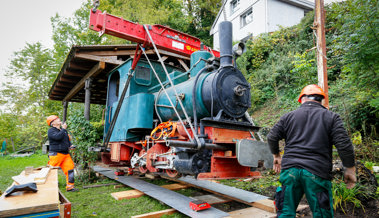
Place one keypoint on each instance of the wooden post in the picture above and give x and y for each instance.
(87, 100)
(322, 72)
(65, 104)
(14, 150)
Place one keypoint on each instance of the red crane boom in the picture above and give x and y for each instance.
(164, 37)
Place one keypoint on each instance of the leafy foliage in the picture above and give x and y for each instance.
(85, 135)
(278, 65)
(72, 31)
(342, 196)
(26, 98)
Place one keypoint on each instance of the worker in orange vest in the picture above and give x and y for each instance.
(59, 147)
(310, 133)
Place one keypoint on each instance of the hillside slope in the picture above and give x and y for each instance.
(279, 64)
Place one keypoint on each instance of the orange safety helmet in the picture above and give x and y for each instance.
(51, 118)
(311, 90)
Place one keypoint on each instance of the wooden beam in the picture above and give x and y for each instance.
(64, 84)
(99, 185)
(322, 71)
(109, 53)
(63, 79)
(93, 72)
(184, 65)
(210, 199)
(58, 92)
(69, 73)
(56, 88)
(251, 212)
(164, 58)
(265, 204)
(78, 67)
(107, 60)
(156, 214)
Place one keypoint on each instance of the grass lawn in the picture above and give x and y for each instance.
(92, 201)
(13, 166)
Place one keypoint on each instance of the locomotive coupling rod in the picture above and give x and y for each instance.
(187, 144)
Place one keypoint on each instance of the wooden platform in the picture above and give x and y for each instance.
(46, 199)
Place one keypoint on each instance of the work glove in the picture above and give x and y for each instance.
(350, 177)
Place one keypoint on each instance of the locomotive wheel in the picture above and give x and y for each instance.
(142, 169)
(173, 173)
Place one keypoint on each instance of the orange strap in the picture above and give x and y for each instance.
(167, 129)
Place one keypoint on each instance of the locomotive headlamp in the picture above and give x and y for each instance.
(239, 49)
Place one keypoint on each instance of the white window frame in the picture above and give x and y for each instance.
(234, 6)
(248, 12)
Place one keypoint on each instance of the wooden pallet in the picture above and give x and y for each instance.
(20, 203)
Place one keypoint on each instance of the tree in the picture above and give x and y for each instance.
(72, 31)
(31, 71)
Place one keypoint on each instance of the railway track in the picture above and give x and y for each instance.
(181, 203)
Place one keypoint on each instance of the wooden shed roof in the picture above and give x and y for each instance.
(96, 62)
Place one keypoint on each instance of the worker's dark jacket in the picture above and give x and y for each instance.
(59, 140)
(310, 133)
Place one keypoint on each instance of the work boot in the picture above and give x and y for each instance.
(72, 190)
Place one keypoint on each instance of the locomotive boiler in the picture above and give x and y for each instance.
(164, 119)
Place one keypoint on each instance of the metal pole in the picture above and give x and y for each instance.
(87, 101)
(322, 71)
(65, 104)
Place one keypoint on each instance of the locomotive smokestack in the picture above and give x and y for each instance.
(226, 43)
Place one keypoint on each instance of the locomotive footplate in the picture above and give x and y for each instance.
(228, 124)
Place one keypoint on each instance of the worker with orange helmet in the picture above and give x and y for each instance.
(309, 133)
(59, 147)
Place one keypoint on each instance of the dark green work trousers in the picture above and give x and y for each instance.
(295, 182)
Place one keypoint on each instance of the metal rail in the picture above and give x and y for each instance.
(171, 198)
(233, 193)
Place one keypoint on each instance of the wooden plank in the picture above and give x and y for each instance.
(156, 214)
(99, 59)
(213, 199)
(99, 185)
(151, 176)
(93, 72)
(39, 177)
(20, 203)
(119, 186)
(136, 194)
(184, 65)
(251, 212)
(265, 204)
(127, 194)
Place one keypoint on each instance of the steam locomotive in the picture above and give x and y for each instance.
(163, 119)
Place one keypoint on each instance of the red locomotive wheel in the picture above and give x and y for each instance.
(142, 169)
(173, 173)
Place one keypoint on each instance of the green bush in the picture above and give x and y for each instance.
(85, 135)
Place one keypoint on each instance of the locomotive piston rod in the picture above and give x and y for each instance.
(186, 144)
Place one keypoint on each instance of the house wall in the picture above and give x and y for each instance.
(268, 15)
(282, 14)
(257, 26)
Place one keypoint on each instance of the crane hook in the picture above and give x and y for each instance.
(96, 4)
